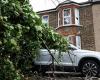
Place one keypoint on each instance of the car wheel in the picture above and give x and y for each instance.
(90, 68)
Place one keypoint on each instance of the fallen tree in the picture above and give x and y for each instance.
(21, 31)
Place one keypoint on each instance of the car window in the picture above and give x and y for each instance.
(72, 47)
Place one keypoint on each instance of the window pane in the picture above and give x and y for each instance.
(66, 20)
(67, 12)
(67, 17)
(45, 19)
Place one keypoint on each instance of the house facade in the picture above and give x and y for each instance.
(77, 22)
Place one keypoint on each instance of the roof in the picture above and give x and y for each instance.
(65, 2)
(86, 2)
(70, 2)
(49, 10)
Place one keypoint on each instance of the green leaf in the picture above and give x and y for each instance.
(13, 41)
(38, 28)
(4, 1)
(0, 42)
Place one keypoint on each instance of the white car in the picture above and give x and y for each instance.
(84, 61)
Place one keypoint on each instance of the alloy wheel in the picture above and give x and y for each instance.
(90, 69)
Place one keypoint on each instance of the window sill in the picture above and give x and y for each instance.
(69, 25)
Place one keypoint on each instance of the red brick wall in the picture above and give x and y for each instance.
(87, 30)
(53, 18)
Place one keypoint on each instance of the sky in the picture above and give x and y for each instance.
(39, 5)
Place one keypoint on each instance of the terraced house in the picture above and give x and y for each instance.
(78, 22)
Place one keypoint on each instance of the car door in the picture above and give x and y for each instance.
(44, 58)
(64, 61)
(68, 58)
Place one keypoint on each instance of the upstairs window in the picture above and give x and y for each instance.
(45, 19)
(66, 16)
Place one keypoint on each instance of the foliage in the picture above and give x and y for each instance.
(53, 39)
(21, 31)
(8, 71)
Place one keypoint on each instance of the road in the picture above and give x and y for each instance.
(65, 76)
(60, 76)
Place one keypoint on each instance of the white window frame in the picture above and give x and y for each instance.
(78, 41)
(48, 19)
(58, 18)
(68, 16)
(77, 20)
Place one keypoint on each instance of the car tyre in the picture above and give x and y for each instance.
(90, 68)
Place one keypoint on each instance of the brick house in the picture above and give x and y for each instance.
(78, 22)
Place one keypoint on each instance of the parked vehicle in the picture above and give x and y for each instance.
(84, 61)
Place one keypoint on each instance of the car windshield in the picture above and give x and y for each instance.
(71, 46)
